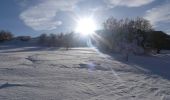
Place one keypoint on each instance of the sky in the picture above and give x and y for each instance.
(34, 17)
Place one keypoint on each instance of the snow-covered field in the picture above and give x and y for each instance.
(32, 73)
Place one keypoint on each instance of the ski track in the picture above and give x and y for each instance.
(76, 74)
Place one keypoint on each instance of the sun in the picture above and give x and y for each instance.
(86, 26)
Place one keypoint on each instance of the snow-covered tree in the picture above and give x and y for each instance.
(126, 35)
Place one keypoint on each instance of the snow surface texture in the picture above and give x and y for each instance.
(32, 73)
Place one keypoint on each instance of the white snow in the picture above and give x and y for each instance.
(35, 73)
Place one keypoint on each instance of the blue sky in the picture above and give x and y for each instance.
(33, 17)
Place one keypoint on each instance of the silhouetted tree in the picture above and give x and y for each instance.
(5, 35)
(58, 40)
(43, 39)
(52, 40)
(68, 40)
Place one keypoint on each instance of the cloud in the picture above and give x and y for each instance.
(128, 3)
(168, 31)
(43, 16)
(160, 14)
(160, 17)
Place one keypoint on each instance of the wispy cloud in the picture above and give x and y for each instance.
(43, 16)
(160, 17)
(128, 3)
(160, 14)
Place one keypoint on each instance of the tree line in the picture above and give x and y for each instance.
(67, 40)
(124, 35)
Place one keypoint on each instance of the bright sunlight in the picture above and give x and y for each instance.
(86, 26)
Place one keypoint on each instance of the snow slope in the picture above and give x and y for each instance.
(34, 73)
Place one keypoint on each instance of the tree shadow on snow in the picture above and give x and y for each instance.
(151, 65)
(7, 85)
(12, 48)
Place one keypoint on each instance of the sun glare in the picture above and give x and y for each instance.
(86, 26)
